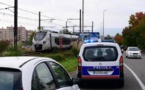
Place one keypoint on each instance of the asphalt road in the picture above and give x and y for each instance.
(134, 70)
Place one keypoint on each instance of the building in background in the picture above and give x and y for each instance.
(8, 34)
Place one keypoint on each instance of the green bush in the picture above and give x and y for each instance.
(68, 53)
(55, 50)
(11, 51)
(57, 57)
(4, 45)
(75, 51)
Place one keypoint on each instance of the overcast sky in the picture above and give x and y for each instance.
(116, 15)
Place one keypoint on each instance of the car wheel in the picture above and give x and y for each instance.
(121, 84)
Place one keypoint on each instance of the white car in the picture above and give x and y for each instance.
(100, 61)
(133, 52)
(34, 73)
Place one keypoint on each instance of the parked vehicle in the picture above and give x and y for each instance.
(34, 73)
(100, 61)
(47, 40)
(133, 52)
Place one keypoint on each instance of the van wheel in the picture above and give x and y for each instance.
(121, 84)
(80, 83)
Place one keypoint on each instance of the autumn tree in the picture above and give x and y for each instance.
(119, 39)
(134, 33)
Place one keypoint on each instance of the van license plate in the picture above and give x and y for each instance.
(100, 72)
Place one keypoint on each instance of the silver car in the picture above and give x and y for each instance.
(133, 52)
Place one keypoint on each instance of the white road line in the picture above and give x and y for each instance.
(137, 78)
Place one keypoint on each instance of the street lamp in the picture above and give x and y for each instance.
(103, 22)
(66, 22)
(101, 28)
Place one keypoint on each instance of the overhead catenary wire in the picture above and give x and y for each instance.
(18, 16)
(43, 16)
(29, 11)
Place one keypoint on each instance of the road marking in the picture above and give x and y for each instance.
(137, 78)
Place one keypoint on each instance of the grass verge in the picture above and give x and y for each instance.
(70, 64)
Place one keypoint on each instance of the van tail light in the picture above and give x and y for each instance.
(79, 64)
(22, 88)
(121, 63)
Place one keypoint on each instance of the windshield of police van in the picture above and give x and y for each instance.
(100, 53)
(39, 36)
(10, 79)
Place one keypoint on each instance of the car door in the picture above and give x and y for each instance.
(63, 78)
(42, 78)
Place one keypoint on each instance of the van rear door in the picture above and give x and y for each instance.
(100, 61)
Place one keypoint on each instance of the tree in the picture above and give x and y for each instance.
(119, 39)
(65, 31)
(134, 33)
(108, 37)
(31, 37)
(135, 19)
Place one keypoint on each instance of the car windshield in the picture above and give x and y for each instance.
(100, 53)
(134, 49)
(39, 36)
(10, 79)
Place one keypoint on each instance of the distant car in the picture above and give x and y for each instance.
(100, 61)
(34, 73)
(133, 52)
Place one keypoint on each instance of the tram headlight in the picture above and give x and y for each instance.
(44, 42)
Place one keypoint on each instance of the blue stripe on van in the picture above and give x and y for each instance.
(86, 68)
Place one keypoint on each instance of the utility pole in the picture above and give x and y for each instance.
(80, 21)
(39, 27)
(66, 24)
(73, 29)
(15, 23)
(92, 25)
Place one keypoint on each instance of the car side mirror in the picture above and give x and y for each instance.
(75, 81)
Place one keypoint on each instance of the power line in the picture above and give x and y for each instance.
(4, 4)
(30, 11)
(18, 16)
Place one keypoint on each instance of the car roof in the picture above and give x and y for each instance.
(16, 61)
(103, 43)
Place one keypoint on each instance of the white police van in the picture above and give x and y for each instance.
(100, 61)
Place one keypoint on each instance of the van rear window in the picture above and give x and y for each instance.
(10, 79)
(100, 53)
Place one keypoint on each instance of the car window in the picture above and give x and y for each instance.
(10, 79)
(62, 76)
(100, 53)
(45, 79)
(134, 49)
(35, 82)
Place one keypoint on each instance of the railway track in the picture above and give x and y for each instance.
(32, 53)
